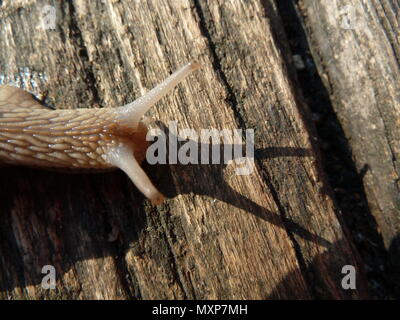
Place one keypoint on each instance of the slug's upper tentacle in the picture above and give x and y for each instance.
(131, 113)
(32, 135)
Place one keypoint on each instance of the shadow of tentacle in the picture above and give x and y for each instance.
(208, 180)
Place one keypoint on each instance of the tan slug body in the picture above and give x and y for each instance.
(33, 135)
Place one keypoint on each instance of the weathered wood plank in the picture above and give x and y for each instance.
(357, 47)
(274, 233)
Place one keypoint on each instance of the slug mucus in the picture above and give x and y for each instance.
(87, 138)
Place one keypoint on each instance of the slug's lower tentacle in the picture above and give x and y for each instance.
(121, 156)
(104, 138)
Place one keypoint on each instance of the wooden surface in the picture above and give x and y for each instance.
(357, 50)
(274, 234)
(365, 48)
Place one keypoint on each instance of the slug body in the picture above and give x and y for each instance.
(33, 135)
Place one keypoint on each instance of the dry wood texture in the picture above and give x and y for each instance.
(357, 47)
(273, 234)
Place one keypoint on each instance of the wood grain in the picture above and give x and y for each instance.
(273, 234)
(357, 47)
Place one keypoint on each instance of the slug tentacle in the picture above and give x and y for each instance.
(121, 156)
(33, 135)
(131, 113)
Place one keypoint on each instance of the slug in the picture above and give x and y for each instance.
(87, 138)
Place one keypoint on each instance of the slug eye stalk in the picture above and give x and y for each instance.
(32, 135)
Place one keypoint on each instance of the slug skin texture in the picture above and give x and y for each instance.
(34, 135)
